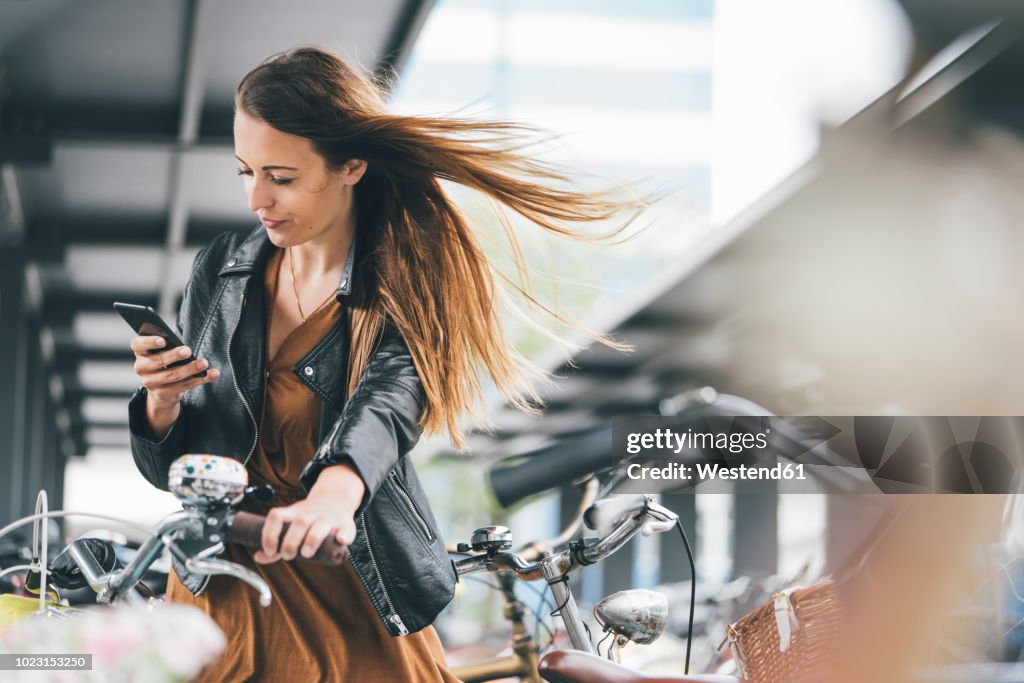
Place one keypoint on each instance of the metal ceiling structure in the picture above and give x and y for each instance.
(116, 153)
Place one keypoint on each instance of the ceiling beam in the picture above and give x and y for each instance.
(71, 120)
(79, 421)
(76, 393)
(68, 360)
(25, 148)
(47, 239)
(406, 30)
(196, 58)
(62, 305)
(73, 389)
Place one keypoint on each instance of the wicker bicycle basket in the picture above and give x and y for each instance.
(813, 620)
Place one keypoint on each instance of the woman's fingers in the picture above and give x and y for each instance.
(307, 529)
(276, 520)
(298, 526)
(171, 392)
(150, 358)
(144, 345)
(158, 361)
(295, 536)
(315, 537)
(159, 378)
(154, 368)
(346, 534)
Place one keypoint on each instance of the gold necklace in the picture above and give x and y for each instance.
(295, 287)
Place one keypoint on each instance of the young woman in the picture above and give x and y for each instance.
(360, 313)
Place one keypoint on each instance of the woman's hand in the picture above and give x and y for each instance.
(165, 385)
(328, 509)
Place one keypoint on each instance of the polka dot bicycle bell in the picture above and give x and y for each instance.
(201, 479)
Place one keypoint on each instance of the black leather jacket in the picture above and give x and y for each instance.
(398, 553)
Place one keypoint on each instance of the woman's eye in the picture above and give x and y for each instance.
(273, 179)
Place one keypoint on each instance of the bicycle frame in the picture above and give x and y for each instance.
(525, 657)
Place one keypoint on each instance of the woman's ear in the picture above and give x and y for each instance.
(352, 171)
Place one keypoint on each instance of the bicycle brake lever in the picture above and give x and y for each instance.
(654, 526)
(261, 494)
(216, 566)
(660, 513)
(659, 519)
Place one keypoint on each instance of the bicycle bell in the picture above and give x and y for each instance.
(637, 614)
(200, 479)
(491, 539)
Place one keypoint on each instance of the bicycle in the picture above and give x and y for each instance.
(637, 616)
(209, 487)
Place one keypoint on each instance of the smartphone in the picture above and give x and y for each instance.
(145, 321)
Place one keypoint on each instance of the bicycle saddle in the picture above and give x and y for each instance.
(571, 666)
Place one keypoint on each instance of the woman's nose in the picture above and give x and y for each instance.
(260, 196)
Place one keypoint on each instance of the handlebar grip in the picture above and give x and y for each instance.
(553, 466)
(246, 529)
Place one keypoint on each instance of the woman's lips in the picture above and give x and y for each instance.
(271, 225)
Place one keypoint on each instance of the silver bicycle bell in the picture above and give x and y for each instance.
(200, 479)
(491, 539)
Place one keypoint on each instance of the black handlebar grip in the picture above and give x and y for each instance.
(553, 466)
(246, 529)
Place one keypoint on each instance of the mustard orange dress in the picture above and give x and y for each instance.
(321, 625)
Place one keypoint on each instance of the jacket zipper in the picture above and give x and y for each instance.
(412, 506)
(393, 617)
(248, 410)
(234, 380)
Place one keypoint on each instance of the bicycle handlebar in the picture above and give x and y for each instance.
(609, 512)
(552, 466)
(632, 515)
(243, 528)
(629, 516)
(246, 529)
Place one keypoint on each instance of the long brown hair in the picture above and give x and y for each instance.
(419, 266)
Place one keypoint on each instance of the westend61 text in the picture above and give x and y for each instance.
(713, 471)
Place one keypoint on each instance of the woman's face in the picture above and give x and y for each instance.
(289, 186)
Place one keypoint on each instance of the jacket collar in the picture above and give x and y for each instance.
(256, 247)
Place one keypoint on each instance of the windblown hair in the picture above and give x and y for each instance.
(419, 265)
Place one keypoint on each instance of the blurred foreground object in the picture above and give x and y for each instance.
(883, 277)
(167, 645)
